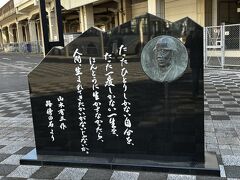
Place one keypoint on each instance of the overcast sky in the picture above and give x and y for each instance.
(2, 2)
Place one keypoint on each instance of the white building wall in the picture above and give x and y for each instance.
(178, 9)
(139, 9)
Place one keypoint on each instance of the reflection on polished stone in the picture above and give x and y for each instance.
(93, 97)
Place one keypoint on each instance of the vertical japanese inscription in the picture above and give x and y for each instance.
(81, 106)
(97, 103)
(112, 111)
(111, 97)
(48, 105)
(126, 104)
(61, 111)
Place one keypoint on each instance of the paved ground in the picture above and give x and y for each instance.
(14, 69)
(222, 127)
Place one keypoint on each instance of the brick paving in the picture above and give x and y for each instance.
(222, 134)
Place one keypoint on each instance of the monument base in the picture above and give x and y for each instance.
(210, 167)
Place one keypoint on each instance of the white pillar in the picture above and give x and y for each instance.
(116, 19)
(26, 31)
(53, 31)
(4, 35)
(50, 24)
(81, 19)
(64, 27)
(127, 11)
(157, 8)
(39, 36)
(161, 10)
(39, 32)
(19, 32)
(11, 36)
(86, 17)
(32, 30)
(214, 12)
(1, 38)
(110, 25)
(120, 13)
(89, 15)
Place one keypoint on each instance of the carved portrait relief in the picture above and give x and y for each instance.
(164, 59)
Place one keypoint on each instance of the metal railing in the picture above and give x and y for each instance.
(222, 46)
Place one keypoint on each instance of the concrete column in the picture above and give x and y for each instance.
(2, 35)
(127, 10)
(19, 32)
(161, 10)
(53, 31)
(86, 17)
(50, 24)
(116, 19)
(157, 8)
(89, 15)
(201, 12)
(110, 25)
(32, 30)
(26, 30)
(39, 32)
(11, 36)
(208, 13)
(64, 27)
(120, 12)
(25, 33)
(81, 20)
(1, 39)
(5, 35)
(214, 12)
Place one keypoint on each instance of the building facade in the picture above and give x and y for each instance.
(20, 28)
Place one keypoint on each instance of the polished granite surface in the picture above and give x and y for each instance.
(102, 103)
(209, 167)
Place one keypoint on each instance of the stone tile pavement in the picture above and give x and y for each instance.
(222, 132)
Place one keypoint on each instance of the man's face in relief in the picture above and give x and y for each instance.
(164, 59)
(163, 53)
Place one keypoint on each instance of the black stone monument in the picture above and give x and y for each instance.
(93, 105)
